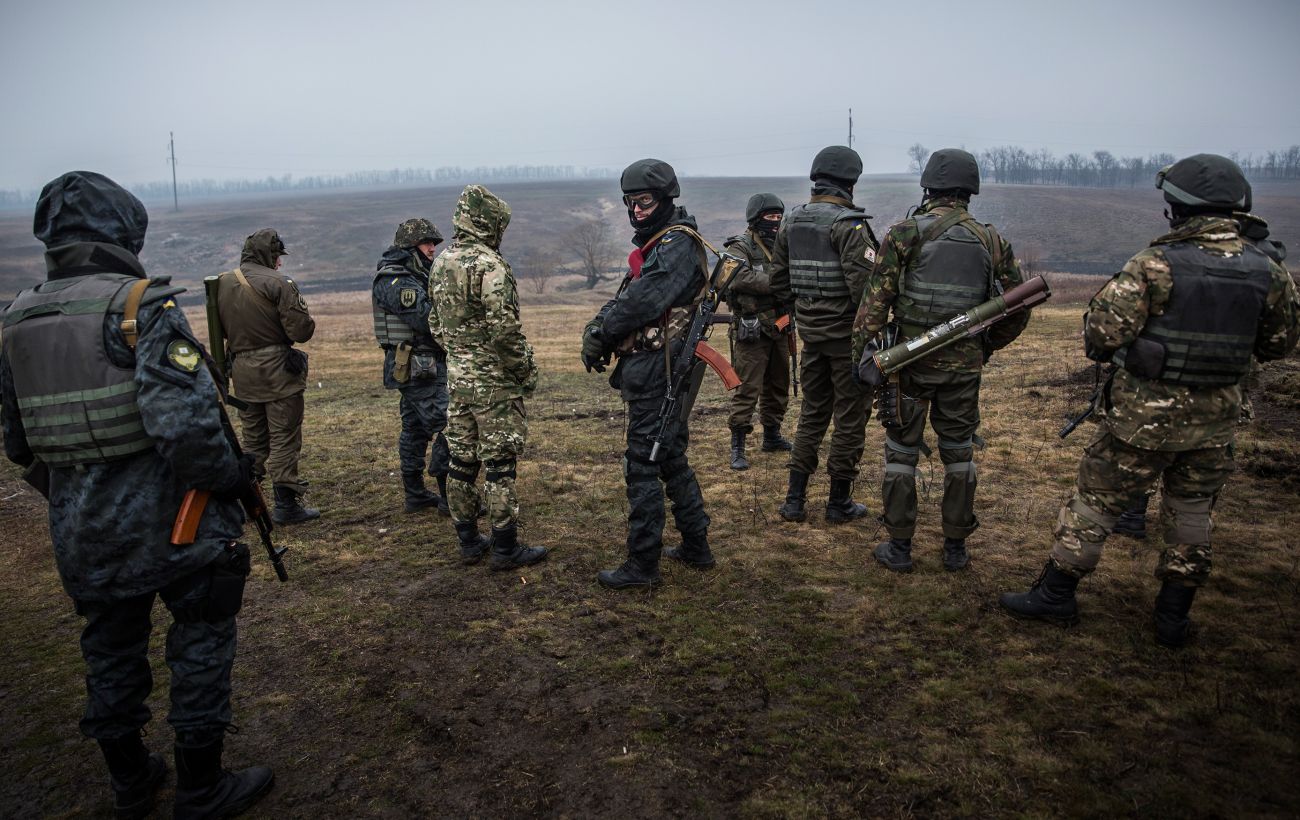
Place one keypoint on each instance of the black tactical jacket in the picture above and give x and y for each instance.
(401, 292)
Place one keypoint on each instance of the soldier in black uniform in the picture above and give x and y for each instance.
(665, 282)
(414, 364)
(760, 350)
(116, 419)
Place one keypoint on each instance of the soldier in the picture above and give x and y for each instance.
(474, 315)
(414, 364)
(655, 302)
(105, 401)
(936, 264)
(263, 316)
(821, 258)
(1181, 321)
(760, 351)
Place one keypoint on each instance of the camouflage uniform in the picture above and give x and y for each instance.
(400, 294)
(946, 384)
(760, 352)
(1154, 429)
(475, 317)
(121, 453)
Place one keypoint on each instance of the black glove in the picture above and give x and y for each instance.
(594, 356)
(236, 488)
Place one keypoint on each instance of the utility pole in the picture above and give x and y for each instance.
(850, 127)
(171, 144)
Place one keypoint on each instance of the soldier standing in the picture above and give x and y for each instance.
(760, 351)
(665, 281)
(264, 316)
(104, 346)
(414, 364)
(934, 265)
(1181, 321)
(820, 261)
(474, 315)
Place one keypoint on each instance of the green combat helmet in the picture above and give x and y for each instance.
(839, 162)
(650, 175)
(760, 204)
(1205, 181)
(412, 232)
(951, 169)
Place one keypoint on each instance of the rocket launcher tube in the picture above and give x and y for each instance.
(963, 325)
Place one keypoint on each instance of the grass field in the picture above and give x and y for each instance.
(799, 679)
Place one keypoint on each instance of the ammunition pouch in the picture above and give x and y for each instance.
(227, 577)
(296, 362)
(748, 329)
(1144, 358)
(888, 405)
(402, 363)
(423, 366)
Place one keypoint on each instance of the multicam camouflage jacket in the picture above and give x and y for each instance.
(899, 249)
(1159, 415)
(474, 311)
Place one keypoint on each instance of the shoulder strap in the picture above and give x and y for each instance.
(759, 242)
(130, 330)
(945, 222)
(243, 280)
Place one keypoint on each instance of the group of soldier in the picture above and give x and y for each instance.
(108, 404)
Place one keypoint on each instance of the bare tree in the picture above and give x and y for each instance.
(1030, 259)
(537, 267)
(592, 241)
(919, 154)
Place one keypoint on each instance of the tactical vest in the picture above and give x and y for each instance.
(390, 330)
(675, 320)
(815, 269)
(951, 273)
(1208, 328)
(76, 405)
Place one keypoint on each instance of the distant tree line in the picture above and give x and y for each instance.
(154, 191)
(1102, 169)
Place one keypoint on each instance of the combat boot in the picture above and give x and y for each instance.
(738, 460)
(472, 545)
(204, 789)
(694, 552)
(289, 509)
(895, 554)
(1050, 599)
(417, 496)
(955, 556)
(629, 576)
(841, 507)
(508, 553)
(773, 441)
(795, 497)
(1133, 521)
(1173, 627)
(136, 775)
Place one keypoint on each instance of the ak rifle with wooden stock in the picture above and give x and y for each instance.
(784, 324)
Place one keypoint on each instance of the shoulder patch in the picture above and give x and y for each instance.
(183, 356)
(407, 297)
(869, 254)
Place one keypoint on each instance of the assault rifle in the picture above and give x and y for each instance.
(688, 365)
(1094, 401)
(784, 324)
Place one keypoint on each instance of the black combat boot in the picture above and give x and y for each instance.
(795, 496)
(1173, 627)
(136, 775)
(738, 460)
(204, 789)
(417, 496)
(289, 508)
(955, 556)
(841, 507)
(895, 554)
(694, 552)
(508, 553)
(629, 576)
(472, 545)
(773, 441)
(1133, 521)
(1050, 599)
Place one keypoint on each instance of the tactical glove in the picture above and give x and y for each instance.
(594, 356)
(232, 491)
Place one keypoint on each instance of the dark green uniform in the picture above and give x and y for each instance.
(760, 352)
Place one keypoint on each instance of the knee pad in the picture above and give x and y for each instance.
(466, 471)
(899, 453)
(675, 468)
(500, 469)
(1186, 520)
(636, 471)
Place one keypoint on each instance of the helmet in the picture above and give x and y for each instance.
(838, 162)
(1205, 181)
(761, 203)
(951, 169)
(651, 175)
(414, 231)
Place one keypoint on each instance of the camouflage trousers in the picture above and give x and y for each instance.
(424, 416)
(490, 436)
(647, 482)
(115, 644)
(763, 365)
(1113, 475)
(272, 433)
(826, 372)
(951, 401)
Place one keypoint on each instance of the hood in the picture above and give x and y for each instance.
(481, 215)
(399, 257)
(83, 206)
(262, 248)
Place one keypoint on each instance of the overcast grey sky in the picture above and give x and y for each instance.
(265, 88)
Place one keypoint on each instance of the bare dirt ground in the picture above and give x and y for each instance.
(799, 679)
